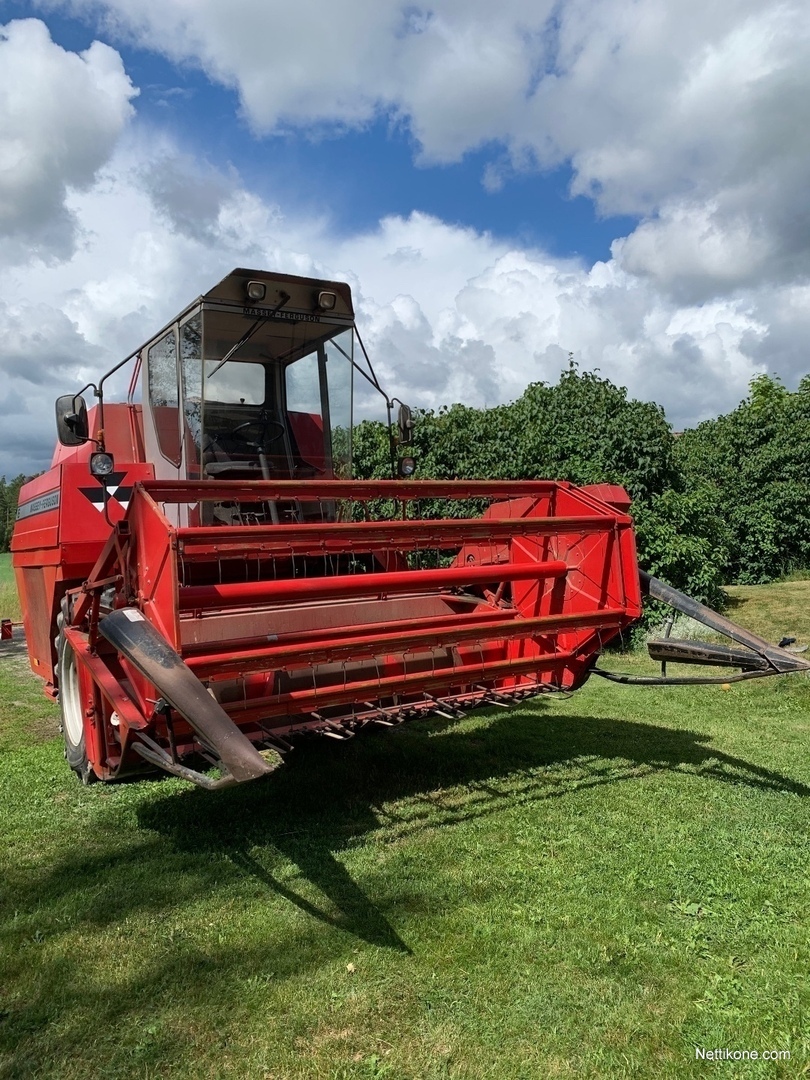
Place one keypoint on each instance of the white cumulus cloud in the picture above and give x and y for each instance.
(691, 115)
(448, 313)
(61, 114)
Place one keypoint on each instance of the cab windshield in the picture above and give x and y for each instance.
(265, 399)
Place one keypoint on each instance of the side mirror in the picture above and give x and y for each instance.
(405, 425)
(71, 420)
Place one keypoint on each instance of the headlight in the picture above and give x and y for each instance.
(407, 466)
(101, 464)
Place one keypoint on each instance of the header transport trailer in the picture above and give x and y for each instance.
(203, 582)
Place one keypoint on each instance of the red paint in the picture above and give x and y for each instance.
(195, 598)
(302, 622)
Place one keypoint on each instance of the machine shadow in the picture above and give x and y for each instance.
(357, 915)
(287, 836)
(330, 796)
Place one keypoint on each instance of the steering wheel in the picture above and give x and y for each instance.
(264, 425)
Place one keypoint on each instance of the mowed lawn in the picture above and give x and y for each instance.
(9, 602)
(589, 887)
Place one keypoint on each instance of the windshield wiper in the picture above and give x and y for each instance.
(245, 338)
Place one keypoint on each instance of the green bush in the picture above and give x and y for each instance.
(586, 430)
(754, 464)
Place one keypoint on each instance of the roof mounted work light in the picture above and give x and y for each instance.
(256, 290)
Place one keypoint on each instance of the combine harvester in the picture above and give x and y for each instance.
(203, 582)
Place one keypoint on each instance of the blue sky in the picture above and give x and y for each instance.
(500, 186)
(360, 175)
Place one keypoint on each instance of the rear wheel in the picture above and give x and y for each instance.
(70, 708)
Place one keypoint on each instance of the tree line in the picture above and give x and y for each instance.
(9, 495)
(723, 503)
(726, 502)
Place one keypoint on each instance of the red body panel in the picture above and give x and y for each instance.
(62, 527)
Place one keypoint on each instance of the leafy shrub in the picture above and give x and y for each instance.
(755, 462)
(583, 429)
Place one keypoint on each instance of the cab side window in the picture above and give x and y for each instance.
(191, 380)
(163, 396)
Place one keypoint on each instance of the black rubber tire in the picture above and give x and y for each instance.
(71, 713)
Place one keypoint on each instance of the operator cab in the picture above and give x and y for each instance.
(253, 382)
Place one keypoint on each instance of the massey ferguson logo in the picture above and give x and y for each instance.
(282, 316)
(117, 492)
(40, 505)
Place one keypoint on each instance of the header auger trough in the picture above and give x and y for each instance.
(203, 583)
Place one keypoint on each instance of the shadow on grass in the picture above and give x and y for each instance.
(329, 797)
(326, 800)
(429, 775)
(734, 603)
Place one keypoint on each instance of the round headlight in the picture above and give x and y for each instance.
(101, 464)
(407, 466)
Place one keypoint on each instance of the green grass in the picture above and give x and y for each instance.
(9, 601)
(577, 888)
(776, 610)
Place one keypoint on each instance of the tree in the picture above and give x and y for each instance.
(754, 465)
(9, 496)
(583, 429)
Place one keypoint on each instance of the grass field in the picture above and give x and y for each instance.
(588, 887)
(9, 602)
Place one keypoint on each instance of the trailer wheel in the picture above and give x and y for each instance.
(70, 708)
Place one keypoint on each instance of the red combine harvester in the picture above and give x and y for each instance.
(202, 581)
